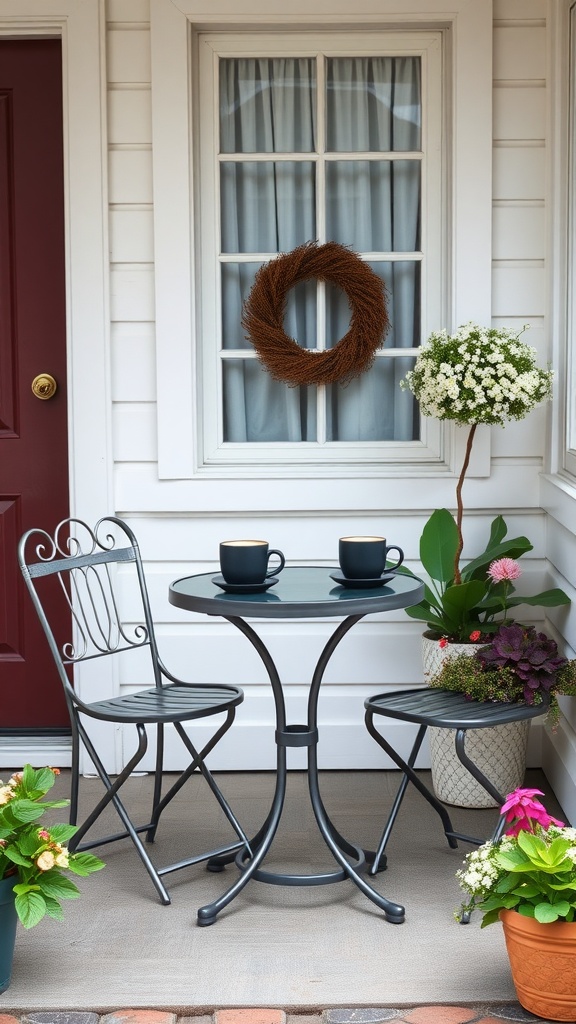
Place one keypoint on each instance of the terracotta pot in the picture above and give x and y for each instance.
(8, 921)
(543, 964)
(499, 752)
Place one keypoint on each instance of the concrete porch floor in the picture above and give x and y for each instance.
(277, 955)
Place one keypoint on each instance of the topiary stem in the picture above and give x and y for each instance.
(459, 505)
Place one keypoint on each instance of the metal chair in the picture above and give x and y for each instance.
(94, 572)
(444, 710)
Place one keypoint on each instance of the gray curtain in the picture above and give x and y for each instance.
(268, 106)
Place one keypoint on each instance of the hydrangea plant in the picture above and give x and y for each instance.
(37, 857)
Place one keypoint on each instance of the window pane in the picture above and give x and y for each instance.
(373, 104)
(267, 105)
(374, 205)
(372, 407)
(299, 320)
(267, 207)
(257, 408)
(402, 284)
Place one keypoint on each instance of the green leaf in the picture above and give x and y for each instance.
(463, 597)
(16, 857)
(489, 918)
(53, 909)
(44, 779)
(62, 833)
(547, 599)
(438, 545)
(477, 568)
(31, 908)
(26, 810)
(546, 913)
(84, 864)
(498, 531)
(58, 886)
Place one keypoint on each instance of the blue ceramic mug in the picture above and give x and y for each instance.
(246, 561)
(364, 558)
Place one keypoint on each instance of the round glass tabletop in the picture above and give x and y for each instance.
(301, 592)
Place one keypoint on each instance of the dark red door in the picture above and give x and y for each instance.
(33, 430)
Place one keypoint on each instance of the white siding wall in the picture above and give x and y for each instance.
(177, 539)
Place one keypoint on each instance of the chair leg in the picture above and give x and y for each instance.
(157, 796)
(198, 763)
(74, 773)
(111, 796)
(413, 777)
(199, 759)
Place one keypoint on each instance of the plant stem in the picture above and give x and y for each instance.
(459, 505)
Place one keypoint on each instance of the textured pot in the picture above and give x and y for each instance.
(499, 752)
(543, 964)
(8, 921)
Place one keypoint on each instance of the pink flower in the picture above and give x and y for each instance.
(504, 569)
(524, 811)
(475, 635)
(443, 642)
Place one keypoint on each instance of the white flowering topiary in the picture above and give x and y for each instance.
(478, 375)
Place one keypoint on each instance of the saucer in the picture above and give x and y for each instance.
(245, 588)
(377, 581)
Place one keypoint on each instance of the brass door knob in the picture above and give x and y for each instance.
(44, 386)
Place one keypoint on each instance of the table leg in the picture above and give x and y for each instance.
(289, 736)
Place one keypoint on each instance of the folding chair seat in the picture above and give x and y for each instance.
(445, 710)
(95, 572)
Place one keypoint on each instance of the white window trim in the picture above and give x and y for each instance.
(569, 377)
(468, 28)
(558, 486)
(332, 454)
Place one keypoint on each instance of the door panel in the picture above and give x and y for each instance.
(33, 432)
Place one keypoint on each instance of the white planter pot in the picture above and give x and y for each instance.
(499, 752)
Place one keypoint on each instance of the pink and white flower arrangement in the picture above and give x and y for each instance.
(37, 857)
(531, 869)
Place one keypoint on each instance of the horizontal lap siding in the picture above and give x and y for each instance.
(181, 536)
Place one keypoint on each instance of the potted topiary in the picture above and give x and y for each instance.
(33, 860)
(527, 880)
(477, 376)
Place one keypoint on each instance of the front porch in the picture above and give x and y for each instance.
(301, 950)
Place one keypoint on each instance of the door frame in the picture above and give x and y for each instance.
(81, 26)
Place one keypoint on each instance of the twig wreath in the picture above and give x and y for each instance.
(265, 308)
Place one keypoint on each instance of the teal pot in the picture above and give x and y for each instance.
(8, 922)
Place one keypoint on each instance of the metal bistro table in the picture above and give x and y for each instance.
(302, 592)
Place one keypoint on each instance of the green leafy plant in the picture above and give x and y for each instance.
(456, 610)
(531, 869)
(518, 665)
(37, 857)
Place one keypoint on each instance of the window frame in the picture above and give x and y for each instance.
(569, 398)
(212, 46)
(467, 32)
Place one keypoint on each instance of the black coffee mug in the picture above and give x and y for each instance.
(364, 558)
(246, 561)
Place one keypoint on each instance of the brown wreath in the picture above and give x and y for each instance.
(265, 308)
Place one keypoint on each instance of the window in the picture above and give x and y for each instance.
(338, 138)
(454, 43)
